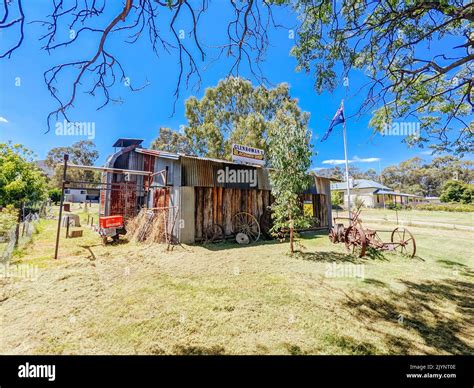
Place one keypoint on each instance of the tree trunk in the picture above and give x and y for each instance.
(292, 248)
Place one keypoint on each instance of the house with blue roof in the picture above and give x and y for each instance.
(373, 194)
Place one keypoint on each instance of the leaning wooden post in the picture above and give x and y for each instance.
(67, 228)
(66, 158)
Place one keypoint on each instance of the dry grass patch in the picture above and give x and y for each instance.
(228, 299)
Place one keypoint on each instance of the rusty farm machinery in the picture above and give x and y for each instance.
(358, 239)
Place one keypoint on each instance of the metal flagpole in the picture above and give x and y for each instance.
(347, 165)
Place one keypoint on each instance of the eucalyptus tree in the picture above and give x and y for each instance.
(290, 160)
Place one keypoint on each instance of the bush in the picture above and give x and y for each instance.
(457, 191)
(7, 221)
(55, 195)
(468, 194)
(394, 206)
(447, 207)
(336, 199)
(11, 210)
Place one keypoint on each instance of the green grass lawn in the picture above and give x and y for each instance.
(230, 299)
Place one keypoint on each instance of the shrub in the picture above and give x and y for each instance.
(55, 195)
(457, 191)
(468, 194)
(336, 199)
(7, 221)
(394, 206)
(447, 207)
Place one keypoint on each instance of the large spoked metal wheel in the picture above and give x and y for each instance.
(213, 233)
(355, 240)
(246, 223)
(403, 242)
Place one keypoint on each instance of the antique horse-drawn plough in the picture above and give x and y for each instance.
(357, 239)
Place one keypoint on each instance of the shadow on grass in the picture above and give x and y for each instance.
(421, 309)
(457, 268)
(375, 282)
(198, 350)
(92, 256)
(451, 264)
(328, 257)
(332, 256)
(375, 254)
(308, 235)
(232, 244)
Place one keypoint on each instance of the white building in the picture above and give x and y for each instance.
(80, 195)
(373, 194)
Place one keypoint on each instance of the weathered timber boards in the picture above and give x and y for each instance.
(219, 204)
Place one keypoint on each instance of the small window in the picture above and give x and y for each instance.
(67, 191)
(83, 192)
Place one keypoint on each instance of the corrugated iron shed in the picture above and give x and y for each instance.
(203, 172)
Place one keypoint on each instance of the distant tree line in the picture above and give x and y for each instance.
(415, 175)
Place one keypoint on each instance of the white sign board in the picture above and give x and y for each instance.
(247, 155)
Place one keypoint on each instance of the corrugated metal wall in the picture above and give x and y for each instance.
(203, 173)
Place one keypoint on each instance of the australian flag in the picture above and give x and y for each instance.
(337, 119)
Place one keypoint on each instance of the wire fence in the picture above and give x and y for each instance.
(8, 242)
(17, 234)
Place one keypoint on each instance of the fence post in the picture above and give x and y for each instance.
(17, 230)
(67, 228)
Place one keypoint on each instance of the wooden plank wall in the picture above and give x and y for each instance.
(161, 197)
(217, 205)
(320, 210)
(148, 165)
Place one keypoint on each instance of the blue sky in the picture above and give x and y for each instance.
(24, 108)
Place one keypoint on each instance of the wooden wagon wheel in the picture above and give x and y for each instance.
(403, 242)
(355, 240)
(244, 222)
(266, 223)
(213, 233)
